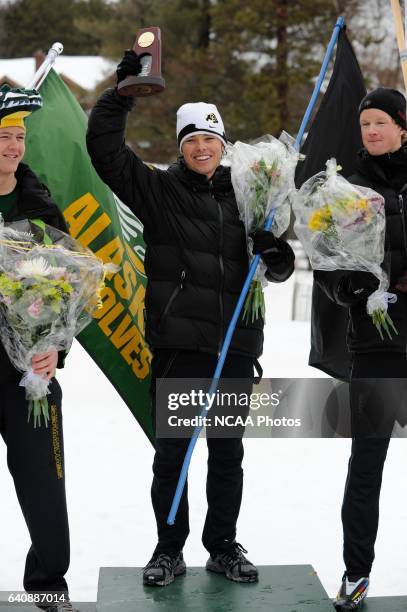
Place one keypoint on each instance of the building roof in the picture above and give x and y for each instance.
(85, 70)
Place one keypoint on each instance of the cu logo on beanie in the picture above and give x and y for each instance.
(212, 117)
(199, 118)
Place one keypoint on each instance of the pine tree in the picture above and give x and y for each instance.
(254, 60)
(29, 25)
(282, 44)
(257, 61)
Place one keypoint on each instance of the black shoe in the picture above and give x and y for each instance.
(233, 564)
(351, 595)
(59, 606)
(163, 568)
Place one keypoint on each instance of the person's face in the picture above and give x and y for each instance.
(380, 133)
(12, 148)
(202, 153)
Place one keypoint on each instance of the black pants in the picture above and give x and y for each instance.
(35, 459)
(375, 405)
(225, 475)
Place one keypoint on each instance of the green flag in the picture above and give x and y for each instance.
(56, 151)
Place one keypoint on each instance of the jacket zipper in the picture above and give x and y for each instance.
(403, 224)
(167, 369)
(172, 297)
(222, 269)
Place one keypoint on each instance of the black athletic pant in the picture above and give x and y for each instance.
(375, 405)
(35, 459)
(225, 475)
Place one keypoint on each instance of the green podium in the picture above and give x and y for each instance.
(281, 588)
(289, 588)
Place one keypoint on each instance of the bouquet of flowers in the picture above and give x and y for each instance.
(262, 177)
(47, 296)
(342, 226)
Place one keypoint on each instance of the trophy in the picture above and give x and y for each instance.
(149, 81)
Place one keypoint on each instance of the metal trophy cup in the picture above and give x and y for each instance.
(149, 81)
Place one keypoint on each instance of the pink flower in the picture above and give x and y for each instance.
(35, 309)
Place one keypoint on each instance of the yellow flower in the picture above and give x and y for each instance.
(356, 205)
(8, 287)
(65, 287)
(362, 203)
(320, 219)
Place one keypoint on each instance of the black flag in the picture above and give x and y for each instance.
(335, 132)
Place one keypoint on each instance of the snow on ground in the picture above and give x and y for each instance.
(292, 497)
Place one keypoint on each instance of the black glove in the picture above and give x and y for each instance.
(271, 249)
(130, 65)
(276, 254)
(357, 286)
(402, 283)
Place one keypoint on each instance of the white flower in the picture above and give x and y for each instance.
(34, 267)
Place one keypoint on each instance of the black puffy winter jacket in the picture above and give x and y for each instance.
(196, 257)
(33, 202)
(377, 174)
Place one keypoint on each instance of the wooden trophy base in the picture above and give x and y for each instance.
(141, 86)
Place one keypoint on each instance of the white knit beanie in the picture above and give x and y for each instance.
(199, 118)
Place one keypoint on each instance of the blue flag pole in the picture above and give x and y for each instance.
(231, 328)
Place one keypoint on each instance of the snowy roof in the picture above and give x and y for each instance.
(86, 70)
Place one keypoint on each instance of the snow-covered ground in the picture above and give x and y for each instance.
(292, 497)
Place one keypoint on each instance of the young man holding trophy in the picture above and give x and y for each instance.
(196, 262)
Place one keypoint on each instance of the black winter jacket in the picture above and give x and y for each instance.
(34, 202)
(362, 335)
(196, 257)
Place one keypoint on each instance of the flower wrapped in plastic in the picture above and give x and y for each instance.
(48, 293)
(342, 227)
(262, 176)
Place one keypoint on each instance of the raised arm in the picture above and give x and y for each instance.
(134, 182)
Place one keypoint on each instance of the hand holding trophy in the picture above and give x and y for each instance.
(139, 72)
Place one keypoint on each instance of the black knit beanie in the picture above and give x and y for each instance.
(388, 100)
